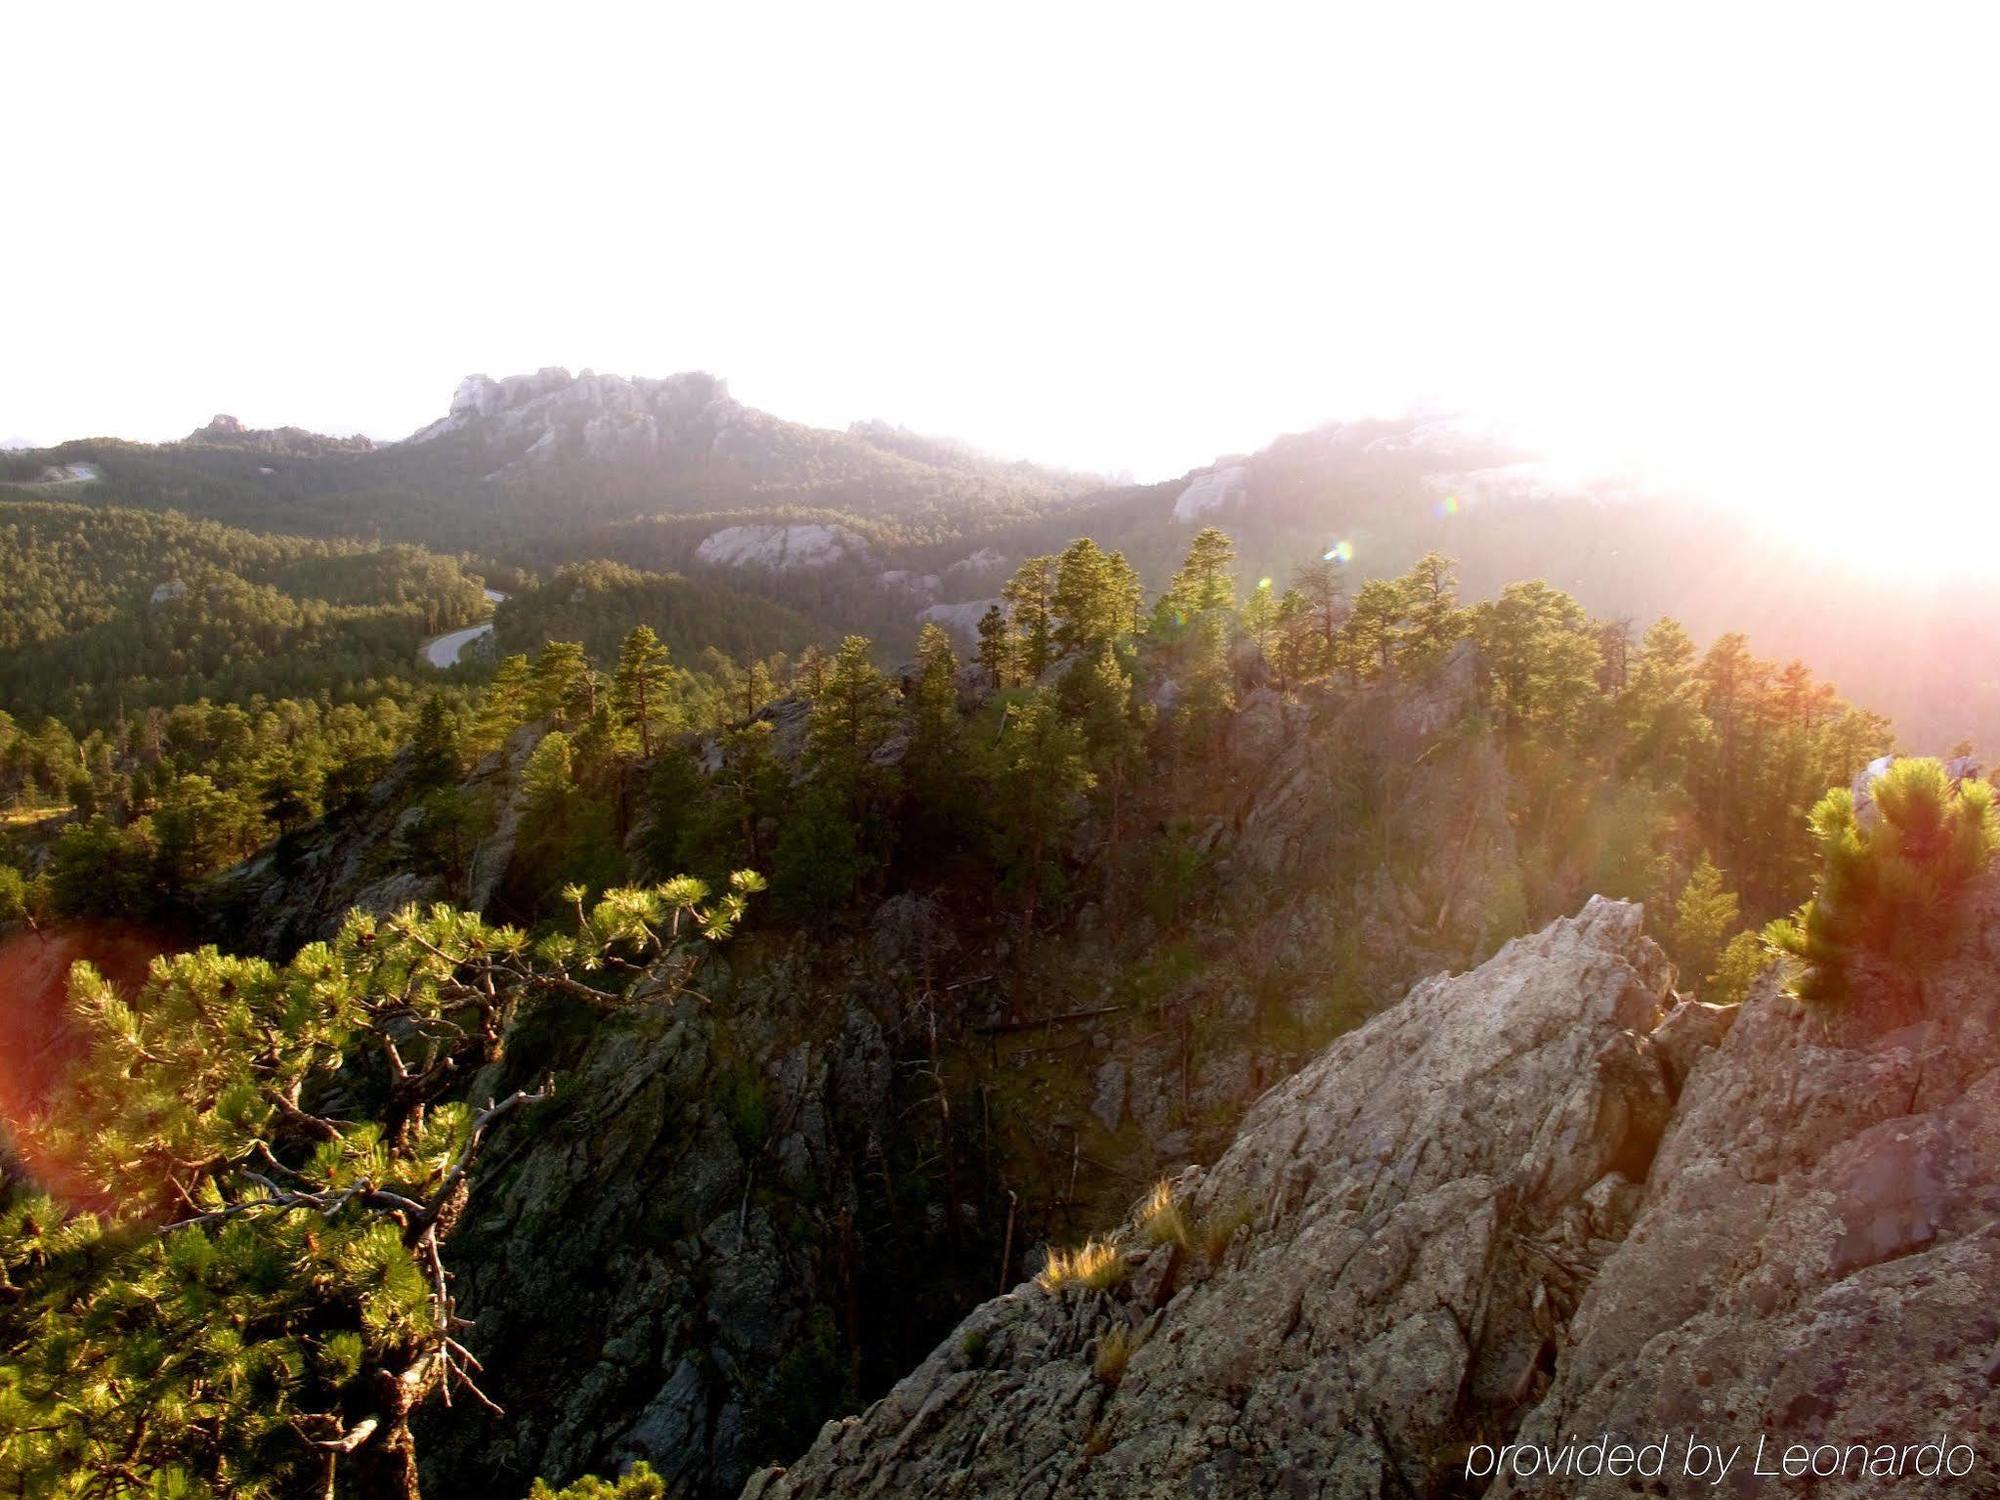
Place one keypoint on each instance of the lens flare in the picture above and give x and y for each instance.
(1341, 551)
(1449, 506)
(43, 1039)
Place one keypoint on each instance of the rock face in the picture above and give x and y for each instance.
(662, 1196)
(552, 415)
(1538, 1202)
(1221, 487)
(779, 548)
(1818, 1256)
(1402, 1206)
(296, 892)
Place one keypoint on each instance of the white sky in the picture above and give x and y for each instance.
(1754, 245)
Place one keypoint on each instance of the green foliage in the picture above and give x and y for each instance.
(435, 753)
(637, 1483)
(104, 611)
(1429, 599)
(1206, 582)
(852, 715)
(259, 1269)
(1704, 917)
(1030, 600)
(1543, 652)
(598, 604)
(1736, 969)
(1890, 879)
(642, 687)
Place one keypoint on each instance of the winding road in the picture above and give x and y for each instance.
(445, 650)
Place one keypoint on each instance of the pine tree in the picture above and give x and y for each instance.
(284, 799)
(996, 652)
(1096, 597)
(1097, 697)
(642, 687)
(1206, 582)
(1367, 639)
(1890, 880)
(1665, 726)
(262, 1299)
(1741, 961)
(563, 688)
(1030, 600)
(809, 679)
(1043, 771)
(1298, 651)
(1704, 916)
(1260, 616)
(1429, 593)
(932, 710)
(434, 749)
(851, 717)
(1541, 650)
(1322, 583)
(505, 704)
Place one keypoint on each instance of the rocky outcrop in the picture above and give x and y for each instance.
(1818, 1255)
(1220, 488)
(552, 415)
(297, 890)
(1375, 1270)
(780, 548)
(684, 1193)
(1532, 1207)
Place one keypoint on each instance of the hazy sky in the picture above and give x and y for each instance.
(1751, 244)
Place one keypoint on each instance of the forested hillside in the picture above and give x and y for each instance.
(540, 470)
(1029, 926)
(105, 610)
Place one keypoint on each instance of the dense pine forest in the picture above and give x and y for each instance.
(1190, 833)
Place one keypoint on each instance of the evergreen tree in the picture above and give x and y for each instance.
(1322, 584)
(1704, 917)
(1745, 957)
(1665, 726)
(1367, 638)
(563, 688)
(1890, 881)
(1260, 616)
(1030, 600)
(1429, 605)
(505, 705)
(1206, 581)
(931, 707)
(642, 687)
(996, 652)
(1096, 597)
(1043, 771)
(434, 749)
(1097, 697)
(851, 717)
(1541, 649)
(810, 679)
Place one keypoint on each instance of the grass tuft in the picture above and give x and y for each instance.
(1162, 1219)
(1218, 1230)
(1097, 1264)
(1114, 1353)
